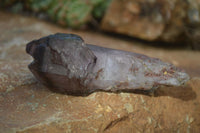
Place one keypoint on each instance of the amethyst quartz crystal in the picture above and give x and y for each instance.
(64, 63)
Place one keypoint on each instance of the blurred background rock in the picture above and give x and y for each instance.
(71, 13)
(172, 21)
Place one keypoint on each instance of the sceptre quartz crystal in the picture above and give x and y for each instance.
(64, 63)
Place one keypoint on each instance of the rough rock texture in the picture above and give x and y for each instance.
(167, 20)
(27, 106)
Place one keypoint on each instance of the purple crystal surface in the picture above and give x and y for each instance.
(64, 63)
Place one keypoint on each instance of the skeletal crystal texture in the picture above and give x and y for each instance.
(64, 63)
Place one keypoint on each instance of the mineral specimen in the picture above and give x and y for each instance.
(64, 63)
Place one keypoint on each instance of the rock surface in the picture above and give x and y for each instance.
(27, 106)
(166, 20)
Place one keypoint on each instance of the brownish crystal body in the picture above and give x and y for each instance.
(64, 63)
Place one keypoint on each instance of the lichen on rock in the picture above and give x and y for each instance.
(71, 13)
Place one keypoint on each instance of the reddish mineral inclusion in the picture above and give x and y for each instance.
(64, 63)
